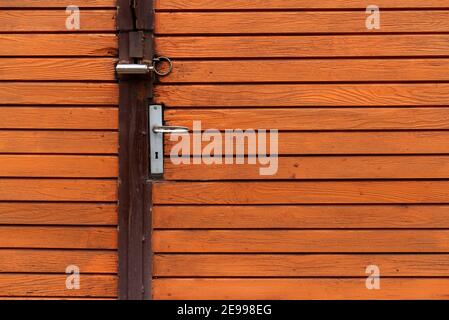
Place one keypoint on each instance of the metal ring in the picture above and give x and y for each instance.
(157, 60)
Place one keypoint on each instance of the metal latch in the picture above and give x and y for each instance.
(157, 131)
(142, 68)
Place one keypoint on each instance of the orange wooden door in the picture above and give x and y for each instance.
(363, 167)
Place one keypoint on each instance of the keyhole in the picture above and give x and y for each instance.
(156, 155)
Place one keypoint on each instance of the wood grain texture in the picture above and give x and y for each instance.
(302, 46)
(292, 4)
(34, 213)
(295, 241)
(56, 3)
(307, 70)
(299, 265)
(39, 69)
(58, 237)
(50, 117)
(57, 190)
(298, 22)
(300, 216)
(55, 286)
(303, 95)
(55, 20)
(58, 166)
(39, 93)
(312, 119)
(100, 45)
(363, 192)
(82, 142)
(56, 261)
(294, 289)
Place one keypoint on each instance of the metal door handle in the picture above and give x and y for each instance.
(170, 129)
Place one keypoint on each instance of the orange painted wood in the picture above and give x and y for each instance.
(58, 166)
(56, 261)
(58, 118)
(294, 241)
(34, 285)
(57, 190)
(78, 69)
(32, 213)
(302, 46)
(58, 237)
(79, 142)
(58, 93)
(292, 4)
(363, 192)
(312, 119)
(55, 20)
(298, 22)
(308, 70)
(101, 45)
(55, 3)
(304, 95)
(299, 265)
(300, 216)
(293, 289)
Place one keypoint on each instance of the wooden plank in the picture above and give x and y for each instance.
(302, 46)
(88, 142)
(78, 69)
(56, 261)
(58, 93)
(297, 168)
(58, 213)
(55, 20)
(100, 45)
(301, 217)
(291, 4)
(345, 143)
(303, 95)
(58, 237)
(312, 119)
(58, 166)
(55, 285)
(363, 192)
(57, 190)
(299, 265)
(289, 70)
(56, 4)
(295, 241)
(298, 22)
(297, 289)
(87, 118)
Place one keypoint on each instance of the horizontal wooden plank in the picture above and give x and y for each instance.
(297, 289)
(343, 143)
(58, 213)
(58, 93)
(51, 45)
(86, 118)
(300, 216)
(312, 119)
(78, 69)
(302, 46)
(298, 22)
(363, 192)
(57, 190)
(297, 168)
(292, 4)
(292, 241)
(55, 286)
(303, 95)
(299, 265)
(55, 20)
(89, 142)
(290, 70)
(58, 166)
(58, 237)
(56, 261)
(56, 3)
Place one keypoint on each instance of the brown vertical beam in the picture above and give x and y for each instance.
(135, 46)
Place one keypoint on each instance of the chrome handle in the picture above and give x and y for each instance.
(170, 129)
(125, 68)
